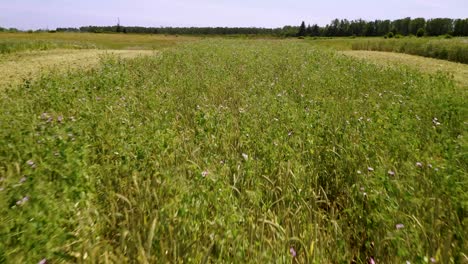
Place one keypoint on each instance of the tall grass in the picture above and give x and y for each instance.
(15, 45)
(235, 152)
(445, 49)
(35, 41)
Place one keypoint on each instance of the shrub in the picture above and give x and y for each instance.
(420, 32)
(390, 35)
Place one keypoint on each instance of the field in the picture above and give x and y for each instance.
(234, 151)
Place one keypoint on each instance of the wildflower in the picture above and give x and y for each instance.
(429, 165)
(22, 180)
(60, 119)
(433, 260)
(43, 261)
(419, 164)
(391, 173)
(370, 169)
(399, 226)
(290, 133)
(407, 262)
(204, 173)
(371, 260)
(22, 201)
(44, 116)
(359, 172)
(31, 163)
(435, 121)
(293, 252)
(245, 156)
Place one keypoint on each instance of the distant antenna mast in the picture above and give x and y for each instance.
(118, 25)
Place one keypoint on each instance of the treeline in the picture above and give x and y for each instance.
(404, 27)
(337, 28)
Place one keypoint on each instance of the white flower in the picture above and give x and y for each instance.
(245, 156)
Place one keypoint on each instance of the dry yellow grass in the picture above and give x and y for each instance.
(427, 65)
(25, 65)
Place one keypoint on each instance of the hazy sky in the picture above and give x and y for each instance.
(34, 14)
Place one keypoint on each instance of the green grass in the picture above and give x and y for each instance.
(234, 152)
(11, 42)
(455, 49)
(15, 45)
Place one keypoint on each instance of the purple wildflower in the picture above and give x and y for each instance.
(399, 226)
(293, 252)
(22, 201)
(433, 260)
(371, 260)
(43, 261)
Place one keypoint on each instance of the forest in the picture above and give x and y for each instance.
(337, 28)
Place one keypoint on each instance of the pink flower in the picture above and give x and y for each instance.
(399, 226)
(204, 173)
(293, 252)
(371, 260)
(43, 261)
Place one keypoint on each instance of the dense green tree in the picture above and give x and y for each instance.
(416, 24)
(460, 27)
(420, 32)
(315, 30)
(309, 30)
(302, 30)
(439, 26)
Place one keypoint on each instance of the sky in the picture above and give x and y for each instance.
(50, 14)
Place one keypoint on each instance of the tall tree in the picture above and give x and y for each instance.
(302, 30)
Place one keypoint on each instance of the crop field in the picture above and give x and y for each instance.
(235, 151)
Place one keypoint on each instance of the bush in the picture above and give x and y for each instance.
(390, 35)
(420, 32)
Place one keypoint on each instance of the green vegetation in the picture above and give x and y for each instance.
(11, 45)
(234, 151)
(12, 42)
(452, 50)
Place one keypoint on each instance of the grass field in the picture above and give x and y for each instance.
(14, 42)
(235, 151)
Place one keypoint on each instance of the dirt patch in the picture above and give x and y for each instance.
(428, 65)
(15, 68)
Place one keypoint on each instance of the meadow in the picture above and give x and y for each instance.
(234, 151)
